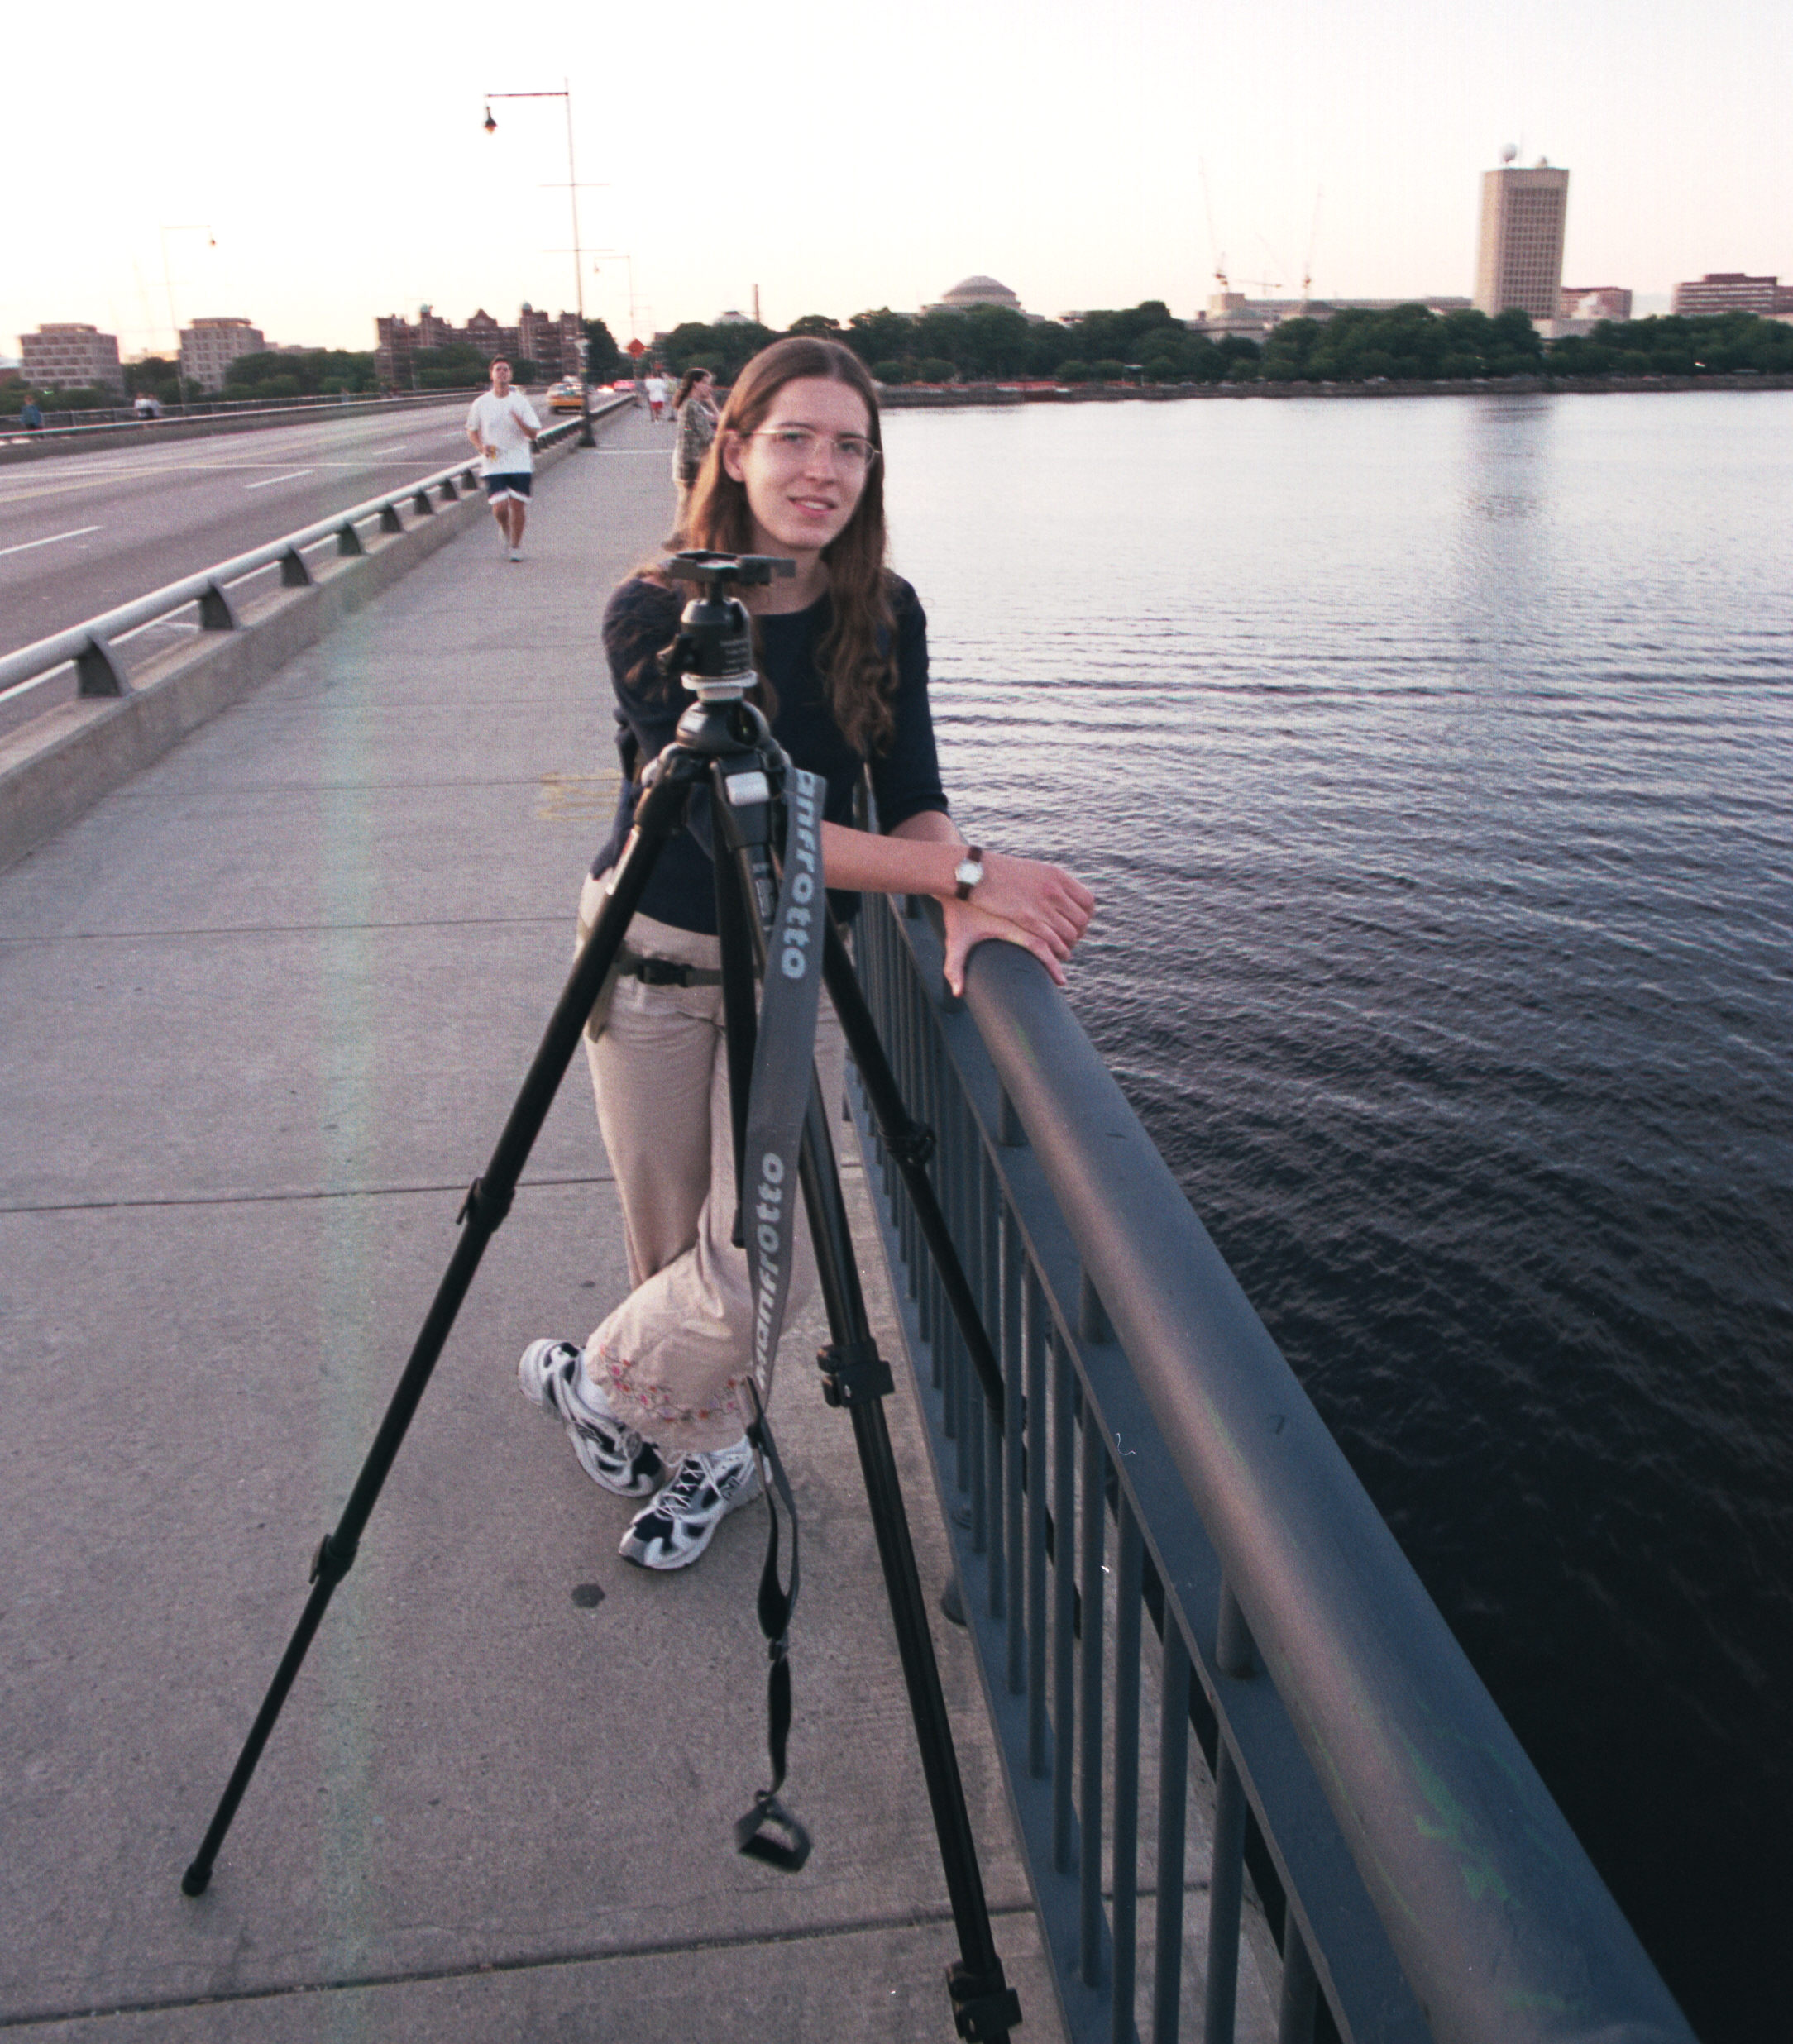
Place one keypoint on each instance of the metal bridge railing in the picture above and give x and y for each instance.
(91, 647)
(1165, 1507)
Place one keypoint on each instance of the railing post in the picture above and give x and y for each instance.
(1172, 1796)
(1091, 1534)
(1300, 1995)
(1128, 1602)
(216, 612)
(420, 502)
(295, 571)
(97, 669)
(1235, 1656)
(348, 541)
(389, 520)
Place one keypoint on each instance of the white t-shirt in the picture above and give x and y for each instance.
(504, 423)
(657, 389)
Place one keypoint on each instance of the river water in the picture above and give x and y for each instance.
(1432, 760)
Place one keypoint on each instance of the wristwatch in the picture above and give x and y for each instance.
(969, 872)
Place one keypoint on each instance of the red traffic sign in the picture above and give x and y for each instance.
(637, 349)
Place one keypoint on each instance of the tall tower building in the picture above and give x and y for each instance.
(1519, 259)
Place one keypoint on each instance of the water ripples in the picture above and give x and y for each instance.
(1433, 764)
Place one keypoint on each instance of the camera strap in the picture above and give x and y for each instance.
(778, 1097)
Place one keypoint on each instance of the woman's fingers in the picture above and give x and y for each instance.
(967, 927)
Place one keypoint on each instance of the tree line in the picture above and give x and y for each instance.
(1148, 343)
(988, 343)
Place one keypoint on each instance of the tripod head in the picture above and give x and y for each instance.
(713, 655)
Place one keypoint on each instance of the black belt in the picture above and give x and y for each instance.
(664, 972)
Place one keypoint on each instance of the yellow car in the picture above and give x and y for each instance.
(567, 396)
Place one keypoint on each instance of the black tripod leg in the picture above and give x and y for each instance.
(488, 1201)
(911, 1146)
(985, 2007)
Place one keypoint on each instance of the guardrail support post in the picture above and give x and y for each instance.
(389, 520)
(216, 611)
(97, 670)
(294, 572)
(450, 494)
(420, 502)
(348, 541)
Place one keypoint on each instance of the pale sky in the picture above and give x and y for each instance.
(849, 157)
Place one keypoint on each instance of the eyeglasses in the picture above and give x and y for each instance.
(792, 447)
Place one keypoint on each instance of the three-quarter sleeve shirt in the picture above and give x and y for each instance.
(642, 618)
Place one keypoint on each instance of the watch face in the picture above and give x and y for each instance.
(968, 872)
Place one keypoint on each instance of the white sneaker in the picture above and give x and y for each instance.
(673, 1531)
(611, 1453)
(516, 553)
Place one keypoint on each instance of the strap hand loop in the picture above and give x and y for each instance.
(769, 1831)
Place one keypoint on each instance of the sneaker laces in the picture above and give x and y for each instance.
(682, 1491)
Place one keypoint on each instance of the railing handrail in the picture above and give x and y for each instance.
(29, 662)
(1501, 1924)
(123, 420)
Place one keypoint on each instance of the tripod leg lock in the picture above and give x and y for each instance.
(334, 1559)
(486, 1206)
(854, 1373)
(985, 2006)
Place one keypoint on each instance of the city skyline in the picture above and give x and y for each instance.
(1081, 166)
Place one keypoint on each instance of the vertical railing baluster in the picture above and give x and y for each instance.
(1063, 1591)
(1037, 1463)
(1300, 1996)
(1123, 1914)
(1091, 1533)
(977, 1271)
(1232, 1653)
(1014, 1410)
(995, 1448)
(1173, 1797)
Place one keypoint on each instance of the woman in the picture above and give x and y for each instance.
(695, 410)
(658, 1402)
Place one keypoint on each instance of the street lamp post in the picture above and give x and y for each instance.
(587, 438)
(168, 284)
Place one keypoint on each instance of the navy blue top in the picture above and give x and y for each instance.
(642, 619)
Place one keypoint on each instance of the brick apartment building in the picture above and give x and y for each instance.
(1732, 291)
(551, 341)
(70, 356)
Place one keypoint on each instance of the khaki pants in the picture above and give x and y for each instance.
(673, 1358)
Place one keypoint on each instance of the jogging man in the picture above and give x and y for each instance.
(502, 424)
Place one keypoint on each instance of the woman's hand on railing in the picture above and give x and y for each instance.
(1041, 900)
(969, 924)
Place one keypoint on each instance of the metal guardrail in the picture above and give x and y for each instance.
(1160, 1462)
(91, 647)
(115, 419)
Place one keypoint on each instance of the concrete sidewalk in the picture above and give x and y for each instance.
(265, 1011)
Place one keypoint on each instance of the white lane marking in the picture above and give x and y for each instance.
(26, 545)
(268, 482)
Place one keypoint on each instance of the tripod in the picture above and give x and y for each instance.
(723, 742)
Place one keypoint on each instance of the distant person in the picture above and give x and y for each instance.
(147, 406)
(30, 418)
(695, 409)
(502, 424)
(656, 394)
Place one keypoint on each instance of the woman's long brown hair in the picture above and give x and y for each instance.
(858, 652)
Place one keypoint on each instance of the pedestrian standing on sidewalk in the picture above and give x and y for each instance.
(658, 1402)
(502, 424)
(695, 410)
(655, 395)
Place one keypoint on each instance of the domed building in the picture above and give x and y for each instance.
(971, 291)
